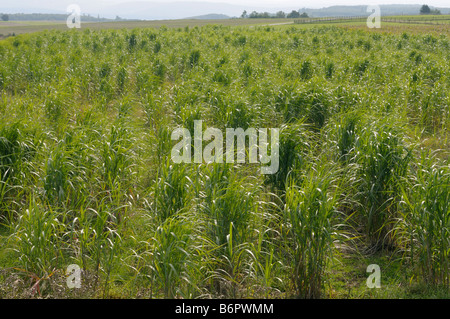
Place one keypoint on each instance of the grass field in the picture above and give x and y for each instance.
(87, 177)
(435, 24)
(20, 27)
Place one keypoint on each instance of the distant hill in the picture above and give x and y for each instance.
(211, 16)
(386, 10)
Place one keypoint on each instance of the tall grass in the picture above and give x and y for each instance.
(347, 138)
(227, 207)
(425, 223)
(18, 147)
(294, 148)
(57, 174)
(85, 125)
(172, 192)
(383, 162)
(38, 240)
(227, 204)
(116, 156)
(309, 232)
(170, 247)
(172, 256)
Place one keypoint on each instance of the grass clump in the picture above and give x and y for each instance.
(310, 216)
(425, 223)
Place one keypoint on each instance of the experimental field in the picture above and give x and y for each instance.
(87, 179)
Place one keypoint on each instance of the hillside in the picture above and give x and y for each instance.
(212, 16)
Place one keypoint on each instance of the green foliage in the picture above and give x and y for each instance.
(86, 176)
(38, 240)
(425, 224)
(171, 254)
(228, 206)
(57, 176)
(171, 192)
(293, 153)
(194, 58)
(14, 150)
(383, 163)
(310, 232)
(306, 70)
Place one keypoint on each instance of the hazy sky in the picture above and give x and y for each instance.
(257, 3)
(301, 3)
(160, 9)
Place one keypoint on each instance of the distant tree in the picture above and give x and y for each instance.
(244, 14)
(304, 15)
(268, 15)
(435, 11)
(253, 15)
(280, 14)
(425, 9)
(5, 17)
(118, 18)
(293, 15)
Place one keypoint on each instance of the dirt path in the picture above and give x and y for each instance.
(282, 23)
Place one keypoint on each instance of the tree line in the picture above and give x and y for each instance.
(280, 15)
(425, 9)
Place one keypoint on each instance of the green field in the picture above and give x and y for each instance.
(87, 177)
(435, 24)
(19, 27)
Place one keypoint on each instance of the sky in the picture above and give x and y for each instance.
(256, 3)
(301, 3)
